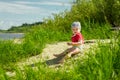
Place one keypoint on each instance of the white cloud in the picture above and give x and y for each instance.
(55, 3)
(7, 24)
(18, 8)
(27, 7)
(49, 3)
(1, 23)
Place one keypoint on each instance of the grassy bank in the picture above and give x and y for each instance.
(103, 65)
(35, 41)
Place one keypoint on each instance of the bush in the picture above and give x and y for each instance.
(99, 11)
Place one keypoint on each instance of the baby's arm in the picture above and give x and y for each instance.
(75, 43)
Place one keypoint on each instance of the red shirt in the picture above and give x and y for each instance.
(77, 37)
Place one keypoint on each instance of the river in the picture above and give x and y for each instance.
(9, 36)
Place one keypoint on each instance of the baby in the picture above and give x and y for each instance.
(76, 43)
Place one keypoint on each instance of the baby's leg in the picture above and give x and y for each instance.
(72, 52)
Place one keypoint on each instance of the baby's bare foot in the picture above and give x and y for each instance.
(56, 55)
(61, 61)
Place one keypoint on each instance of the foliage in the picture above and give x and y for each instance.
(99, 65)
(94, 17)
(98, 10)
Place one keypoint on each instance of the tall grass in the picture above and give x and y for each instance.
(102, 65)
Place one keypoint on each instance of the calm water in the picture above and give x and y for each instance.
(8, 36)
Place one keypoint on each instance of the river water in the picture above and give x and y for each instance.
(9, 36)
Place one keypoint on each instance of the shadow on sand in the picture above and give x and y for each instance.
(50, 62)
(56, 60)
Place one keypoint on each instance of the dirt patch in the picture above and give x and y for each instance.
(47, 54)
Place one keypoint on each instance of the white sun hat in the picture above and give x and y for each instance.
(76, 24)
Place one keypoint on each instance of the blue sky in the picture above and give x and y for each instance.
(17, 12)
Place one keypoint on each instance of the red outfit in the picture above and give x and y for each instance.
(77, 37)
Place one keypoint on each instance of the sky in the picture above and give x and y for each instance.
(17, 12)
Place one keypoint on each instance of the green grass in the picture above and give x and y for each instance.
(103, 65)
(35, 41)
(99, 66)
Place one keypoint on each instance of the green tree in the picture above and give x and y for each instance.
(98, 10)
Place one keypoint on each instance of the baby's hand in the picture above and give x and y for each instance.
(69, 43)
